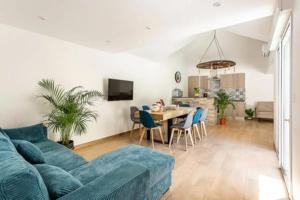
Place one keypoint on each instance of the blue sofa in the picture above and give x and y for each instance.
(129, 173)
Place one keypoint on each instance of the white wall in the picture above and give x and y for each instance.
(28, 57)
(296, 100)
(247, 53)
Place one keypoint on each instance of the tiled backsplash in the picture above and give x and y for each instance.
(237, 94)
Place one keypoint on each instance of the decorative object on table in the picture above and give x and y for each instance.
(214, 65)
(250, 113)
(177, 93)
(70, 109)
(222, 100)
(197, 92)
(156, 108)
(178, 77)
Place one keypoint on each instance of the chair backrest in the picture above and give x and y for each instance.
(197, 115)
(145, 107)
(146, 119)
(204, 115)
(133, 110)
(189, 120)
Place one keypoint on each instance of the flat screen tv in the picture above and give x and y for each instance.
(120, 90)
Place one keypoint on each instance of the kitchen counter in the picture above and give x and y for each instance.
(202, 102)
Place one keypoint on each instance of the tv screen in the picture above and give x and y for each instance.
(120, 90)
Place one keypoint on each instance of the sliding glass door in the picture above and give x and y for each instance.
(284, 117)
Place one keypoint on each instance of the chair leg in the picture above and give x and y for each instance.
(194, 133)
(179, 135)
(185, 138)
(161, 136)
(201, 130)
(132, 129)
(152, 138)
(139, 128)
(143, 133)
(198, 133)
(171, 139)
(191, 138)
(204, 128)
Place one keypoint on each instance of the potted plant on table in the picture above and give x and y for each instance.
(249, 113)
(70, 109)
(197, 92)
(222, 100)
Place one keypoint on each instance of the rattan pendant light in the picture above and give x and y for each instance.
(220, 63)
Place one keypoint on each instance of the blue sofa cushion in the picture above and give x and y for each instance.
(35, 133)
(58, 181)
(29, 151)
(19, 179)
(60, 156)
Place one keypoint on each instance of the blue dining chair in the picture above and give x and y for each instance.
(145, 107)
(149, 124)
(202, 122)
(196, 120)
(184, 127)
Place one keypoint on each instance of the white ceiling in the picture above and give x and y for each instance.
(119, 25)
(257, 29)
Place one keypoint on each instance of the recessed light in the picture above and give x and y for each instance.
(147, 27)
(41, 18)
(217, 4)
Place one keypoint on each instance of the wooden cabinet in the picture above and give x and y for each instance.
(196, 81)
(233, 81)
(238, 112)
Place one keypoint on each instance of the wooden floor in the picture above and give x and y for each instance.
(236, 161)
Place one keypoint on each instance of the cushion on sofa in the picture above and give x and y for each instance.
(58, 181)
(64, 158)
(33, 133)
(19, 179)
(29, 151)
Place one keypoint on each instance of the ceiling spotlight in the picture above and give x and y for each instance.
(216, 4)
(41, 18)
(147, 27)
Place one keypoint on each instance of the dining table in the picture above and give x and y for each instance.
(166, 119)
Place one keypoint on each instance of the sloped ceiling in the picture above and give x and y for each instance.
(129, 25)
(257, 29)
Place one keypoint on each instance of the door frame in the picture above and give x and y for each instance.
(288, 178)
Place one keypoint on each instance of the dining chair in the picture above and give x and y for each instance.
(149, 124)
(134, 119)
(196, 121)
(202, 122)
(184, 127)
(145, 107)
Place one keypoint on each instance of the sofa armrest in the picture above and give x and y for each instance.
(127, 182)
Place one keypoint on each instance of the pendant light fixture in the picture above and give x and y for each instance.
(220, 63)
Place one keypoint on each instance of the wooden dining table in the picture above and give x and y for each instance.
(166, 119)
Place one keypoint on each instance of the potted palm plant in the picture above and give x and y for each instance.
(222, 100)
(70, 109)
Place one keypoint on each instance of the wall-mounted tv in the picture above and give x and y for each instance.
(120, 90)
